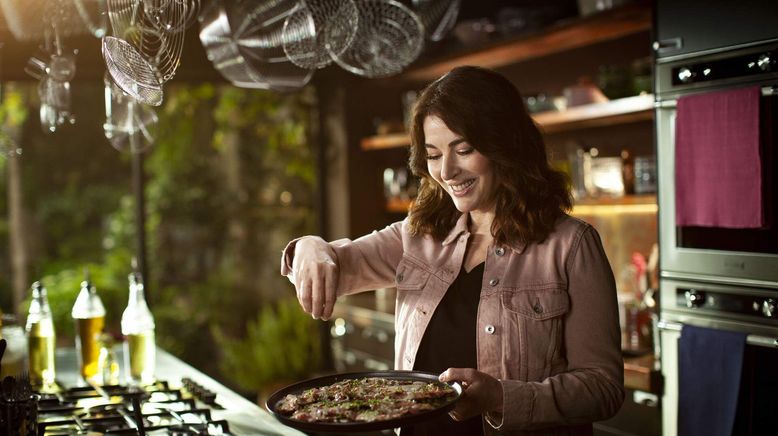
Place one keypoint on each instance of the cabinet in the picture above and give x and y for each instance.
(544, 62)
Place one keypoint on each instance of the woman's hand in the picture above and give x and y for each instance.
(315, 276)
(481, 392)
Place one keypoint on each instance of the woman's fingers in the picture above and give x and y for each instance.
(464, 408)
(330, 288)
(466, 375)
(317, 295)
(316, 276)
(304, 291)
(482, 392)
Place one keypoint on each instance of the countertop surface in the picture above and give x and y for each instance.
(243, 416)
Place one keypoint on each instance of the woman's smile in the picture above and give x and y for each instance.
(459, 168)
(461, 189)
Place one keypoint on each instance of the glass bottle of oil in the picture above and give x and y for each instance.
(41, 338)
(138, 327)
(108, 366)
(89, 316)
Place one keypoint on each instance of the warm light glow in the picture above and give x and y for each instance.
(614, 209)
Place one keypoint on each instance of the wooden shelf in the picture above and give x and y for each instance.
(627, 200)
(645, 203)
(623, 110)
(620, 111)
(398, 205)
(617, 23)
(392, 140)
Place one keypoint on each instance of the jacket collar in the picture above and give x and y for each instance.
(461, 227)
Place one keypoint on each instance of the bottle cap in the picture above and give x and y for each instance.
(88, 303)
(38, 289)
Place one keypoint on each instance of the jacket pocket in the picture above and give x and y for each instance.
(538, 316)
(410, 276)
(537, 304)
(411, 279)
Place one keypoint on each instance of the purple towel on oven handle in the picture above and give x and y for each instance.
(718, 167)
(710, 363)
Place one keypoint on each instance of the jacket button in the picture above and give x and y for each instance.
(499, 251)
(493, 282)
(537, 308)
(489, 329)
(400, 277)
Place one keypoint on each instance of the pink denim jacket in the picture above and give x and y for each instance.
(548, 325)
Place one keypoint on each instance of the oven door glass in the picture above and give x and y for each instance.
(718, 253)
(747, 240)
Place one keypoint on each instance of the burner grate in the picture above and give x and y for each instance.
(110, 410)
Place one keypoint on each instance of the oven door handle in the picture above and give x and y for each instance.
(767, 91)
(761, 341)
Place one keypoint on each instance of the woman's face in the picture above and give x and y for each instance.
(458, 167)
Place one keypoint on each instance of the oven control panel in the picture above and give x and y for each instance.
(727, 303)
(757, 64)
(736, 66)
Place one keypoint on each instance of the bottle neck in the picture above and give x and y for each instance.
(137, 296)
(39, 302)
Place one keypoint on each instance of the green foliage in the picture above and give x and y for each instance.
(280, 344)
(230, 179)
(13, 110)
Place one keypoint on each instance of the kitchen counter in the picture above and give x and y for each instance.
(243, 416)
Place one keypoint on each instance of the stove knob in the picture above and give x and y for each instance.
(764, 62)
(685, 75)
(769, 309)
(694, 298)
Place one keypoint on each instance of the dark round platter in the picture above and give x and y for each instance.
(340, 427)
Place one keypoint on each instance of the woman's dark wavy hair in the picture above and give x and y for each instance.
(485, 109)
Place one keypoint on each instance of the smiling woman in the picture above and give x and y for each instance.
(479, 110)
(497, 287)
(458, 167)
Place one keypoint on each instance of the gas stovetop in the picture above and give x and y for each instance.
(155, 409)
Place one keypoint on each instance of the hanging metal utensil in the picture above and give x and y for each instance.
(171, 17)
(389, 38)
(134, 74)
(145, 51)
(438, 16)
(62, 65)
(129, 126)
(243, 40)
(93, 14)
(330, 26)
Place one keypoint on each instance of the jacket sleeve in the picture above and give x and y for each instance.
(592, 388)
(369, 262)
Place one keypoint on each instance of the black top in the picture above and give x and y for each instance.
(449, 342)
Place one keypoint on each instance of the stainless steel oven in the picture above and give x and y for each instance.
(731, 308)
(728, 255)
(716, 277)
